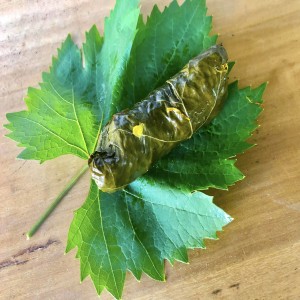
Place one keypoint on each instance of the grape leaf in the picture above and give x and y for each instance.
(63, 116)
(119, 33)
(163, 45)
(137, 228)
(156, 217)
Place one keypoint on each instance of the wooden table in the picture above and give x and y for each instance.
(258, 255)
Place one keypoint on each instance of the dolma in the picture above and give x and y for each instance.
(135, 139)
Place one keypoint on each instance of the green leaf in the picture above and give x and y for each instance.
(207, 159)
(136, 229)
(163, 45)
(156, 217)
(62, 116)
(65, 115)
(119, 33)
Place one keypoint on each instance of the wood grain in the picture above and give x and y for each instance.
(257, 256)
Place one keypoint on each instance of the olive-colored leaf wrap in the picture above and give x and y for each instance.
(135, 139)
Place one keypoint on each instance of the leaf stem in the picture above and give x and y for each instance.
(56, 201)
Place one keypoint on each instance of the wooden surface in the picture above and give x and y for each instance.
(258, 255)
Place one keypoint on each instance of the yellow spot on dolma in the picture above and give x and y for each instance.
(137, 130)
(177, 111)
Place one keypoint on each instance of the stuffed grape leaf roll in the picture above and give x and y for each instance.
(135, 139)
